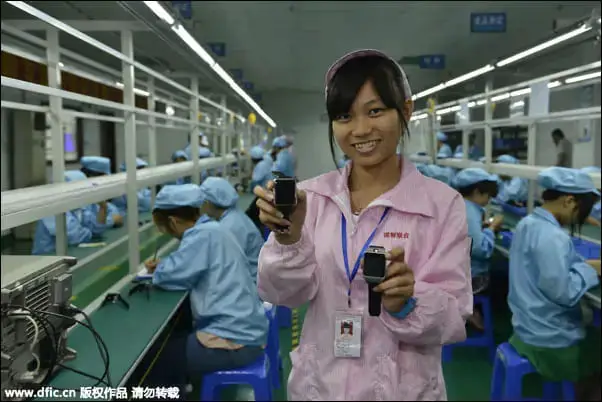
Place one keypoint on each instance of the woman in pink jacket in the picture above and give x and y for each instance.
(349, 349)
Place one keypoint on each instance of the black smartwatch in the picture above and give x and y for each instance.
(375, 263)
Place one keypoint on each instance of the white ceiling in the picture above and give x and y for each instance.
(288, 45)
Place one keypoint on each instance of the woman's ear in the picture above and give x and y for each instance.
(408, 109)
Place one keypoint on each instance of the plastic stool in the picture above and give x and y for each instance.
(284, 315)
(256, 375)
(484, 340)
(273, 346)
(509, 368)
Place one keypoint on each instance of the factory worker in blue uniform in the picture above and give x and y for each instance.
(104, 215)
(594, 216)
(262, 167)
(177, 157)
(441, 173)
(478, 188)
(44, 240)
(423, 168)
(204, 151)
(444, 151)
(284, 164)
(219, 202)
(144, 194)
(474, 152)
(514, 190)
(230, 326)
(547, 279)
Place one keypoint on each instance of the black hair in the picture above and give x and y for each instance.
(161, 216)
(585, 203)
(91, 173)
(256, 161)
(558, 133)
(484, 187)
(349, 79)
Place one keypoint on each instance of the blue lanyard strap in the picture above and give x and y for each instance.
(356, 267)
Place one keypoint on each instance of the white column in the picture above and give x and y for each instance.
(464, 119)
(194, 130)
(127, 48)
(56, 128)
(539, 105)
(488, 131)
(152, 132)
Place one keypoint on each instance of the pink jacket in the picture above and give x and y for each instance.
(400, 359)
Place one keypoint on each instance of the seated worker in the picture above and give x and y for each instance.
(514, 190)
(594, 216)
(262, 167)
(474, 152)
(444, 151)
(44, 241)
(284, 165)
(177, 157)
(547, 279)
(442, 173)
(104, 215)
(478, 188)
(219, 202)
(230, 326)
(144, 194)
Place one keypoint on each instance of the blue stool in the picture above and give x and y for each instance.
(273, 346)
(484, 340)
(509, 368)
(259, 374)
(284, 315)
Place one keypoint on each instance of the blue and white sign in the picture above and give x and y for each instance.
(236, 74)
(432, 61)
(487, 22)
(248, 86)
(218, 48)
(184, 8)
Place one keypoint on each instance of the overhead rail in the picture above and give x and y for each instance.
(581, 28)
(107, 49)
(30, 204)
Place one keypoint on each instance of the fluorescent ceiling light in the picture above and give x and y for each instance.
(472, 104)
(160, 11)
(469, 76)
(419, 116)
(500, 97)
(519, 92)
(206, 57)
(554, 84)
(136, 90)
(518, 104)
(481, 102)
(429, 91)
(542, 46)
(448, 110)
(583, 77)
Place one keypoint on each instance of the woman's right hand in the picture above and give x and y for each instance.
(272, 218)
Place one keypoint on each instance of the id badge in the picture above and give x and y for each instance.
(348, 334)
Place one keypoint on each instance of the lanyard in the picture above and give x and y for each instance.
(356, 267)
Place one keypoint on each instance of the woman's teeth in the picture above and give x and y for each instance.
(365, 147)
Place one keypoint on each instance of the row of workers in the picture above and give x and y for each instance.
(512, 190)
(547, 277)
(89, 222)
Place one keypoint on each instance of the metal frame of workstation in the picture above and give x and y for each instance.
(427, 122)
(27, 205)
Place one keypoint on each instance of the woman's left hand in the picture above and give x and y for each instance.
(398, 285)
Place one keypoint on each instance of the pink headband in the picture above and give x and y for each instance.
(364, 53)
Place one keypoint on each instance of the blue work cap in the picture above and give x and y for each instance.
(140, 163)
(98, 164)
(459, 149)
(257, 152)
(74, 175)
(468, 177)
(459, 155)
(177, 196)
(179, 154)
(439, 173)
(441, 137)
(204, 152)
(590, 169)
(509, 159)
(566, 180)
(219, 192)
(279, 142)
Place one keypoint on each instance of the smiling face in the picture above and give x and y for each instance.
(369, 132)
